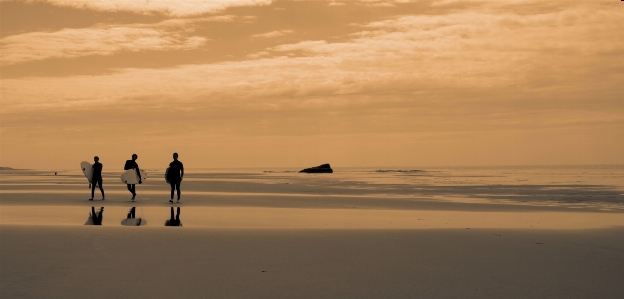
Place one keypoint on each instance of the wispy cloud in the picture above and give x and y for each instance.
(542, 53)
(101, 40)
(273, 34)
(466, 56)
(168, 7)
(478, 75)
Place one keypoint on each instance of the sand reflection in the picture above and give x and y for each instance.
(174, 221)
(306, 218)
(132, 220)
(95, 218)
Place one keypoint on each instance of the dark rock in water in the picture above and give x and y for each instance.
(325, 168)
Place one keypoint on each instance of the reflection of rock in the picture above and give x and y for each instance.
(325, 168)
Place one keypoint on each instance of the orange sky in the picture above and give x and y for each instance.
(261, 83)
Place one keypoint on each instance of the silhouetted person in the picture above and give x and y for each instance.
(96, 177)
(131, 164)
(174, 221)
(175, 174)
(97, 217)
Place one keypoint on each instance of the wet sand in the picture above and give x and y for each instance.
(292, 236)
(119, 262)
(308, 218)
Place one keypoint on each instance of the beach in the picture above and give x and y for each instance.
(324, 149)
(497, 232)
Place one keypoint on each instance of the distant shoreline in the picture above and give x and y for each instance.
(377, 169)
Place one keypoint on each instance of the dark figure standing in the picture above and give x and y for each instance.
(175, 175)
(131, 164)
(96, 178)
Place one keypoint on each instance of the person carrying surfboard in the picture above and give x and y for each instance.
(175, 175)
(131, 164)
(96, 178)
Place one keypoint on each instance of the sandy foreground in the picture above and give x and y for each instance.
(287, 236)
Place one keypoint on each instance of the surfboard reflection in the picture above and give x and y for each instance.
(95, 218)
(174, 221)
(131, 219)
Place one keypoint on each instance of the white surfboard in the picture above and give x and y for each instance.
(130, 176)
(87, 169)
(134, 222)
(167, 175)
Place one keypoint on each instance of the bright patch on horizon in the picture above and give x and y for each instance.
(167, 7)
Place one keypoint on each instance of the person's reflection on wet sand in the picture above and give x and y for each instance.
(95, 218)
(131, 214)
(174, 221)
(131, 219)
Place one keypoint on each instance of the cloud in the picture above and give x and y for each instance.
(258, 54)
(488, 2)
(273, 34)
(100, 40)
(176, 8)
(482, 77)
(381, 4)
(567, 56)
(302, 46)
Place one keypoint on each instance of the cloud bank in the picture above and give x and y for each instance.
(102, 40)
(470, 83)
(541, 53)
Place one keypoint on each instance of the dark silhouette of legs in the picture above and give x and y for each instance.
(99, 184)
(175, 185)
(132, 189)
(101, 216)
(131, 214)
(97, 218)
(101, 189)
(174, 221)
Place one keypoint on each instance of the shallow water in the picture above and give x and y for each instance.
(546, 189)
(303, 218)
